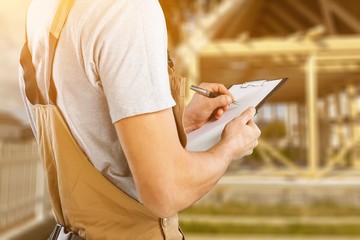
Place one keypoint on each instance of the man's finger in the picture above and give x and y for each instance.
(220, 88)
(218, 113)
(221, 101)
(217, 88)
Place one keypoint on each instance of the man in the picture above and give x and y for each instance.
(112, 89)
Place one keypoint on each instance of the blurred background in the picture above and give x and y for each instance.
(303, 180)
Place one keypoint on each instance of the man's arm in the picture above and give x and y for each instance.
(167, 177)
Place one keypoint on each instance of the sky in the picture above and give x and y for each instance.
(12, 22)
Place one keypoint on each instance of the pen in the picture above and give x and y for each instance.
(207, 93)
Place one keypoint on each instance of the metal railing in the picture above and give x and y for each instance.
(23, 193)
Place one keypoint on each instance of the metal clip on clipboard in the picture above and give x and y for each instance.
(259, 83)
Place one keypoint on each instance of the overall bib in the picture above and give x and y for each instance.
(85, 204)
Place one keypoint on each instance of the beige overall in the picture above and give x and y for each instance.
(83, 200)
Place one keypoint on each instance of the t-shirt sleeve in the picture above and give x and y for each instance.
(132, 60)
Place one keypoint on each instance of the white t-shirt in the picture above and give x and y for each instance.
(111, 63)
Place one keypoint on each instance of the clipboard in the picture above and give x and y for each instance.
(248, 94)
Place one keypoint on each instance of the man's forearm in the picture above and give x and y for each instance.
(194, 175)
(168, 178)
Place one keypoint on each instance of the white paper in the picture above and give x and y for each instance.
(247, 95)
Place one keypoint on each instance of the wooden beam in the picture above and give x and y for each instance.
(290, 121)
(327, 15)
(267, 27)
(261, 31)
(353, 117)
(301, 114)
(346, 17)
(325, 129)
(315, 33)
(275, 153)
(285, 17)
(312, 117)
(265, 157)
(323, 69)
(207, 28)
(346, 45)
(338, 158)
(249, 11)
(304, 11)
(277, 26)
(339, 119)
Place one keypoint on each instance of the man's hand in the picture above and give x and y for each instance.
(240, 136)
(201, 109)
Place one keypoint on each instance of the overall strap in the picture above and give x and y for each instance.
(60, 17)
(32, 90)
(57, 25)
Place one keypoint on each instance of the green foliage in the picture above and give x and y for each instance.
(276, 129)
(322, 208)
(286, 229)
(232, 209)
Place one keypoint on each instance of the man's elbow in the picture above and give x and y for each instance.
(162, 203)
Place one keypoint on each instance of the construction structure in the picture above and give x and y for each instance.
(316, 44)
